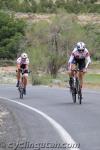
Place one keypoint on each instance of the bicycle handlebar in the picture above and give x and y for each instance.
(77, 70)
(23, 70)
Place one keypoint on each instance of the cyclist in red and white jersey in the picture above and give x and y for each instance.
(22, 63)
(80, 57)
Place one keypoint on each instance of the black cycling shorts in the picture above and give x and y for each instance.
(80, 63)
(23, 66)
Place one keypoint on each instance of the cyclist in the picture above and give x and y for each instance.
(79, 58)
(22, 63)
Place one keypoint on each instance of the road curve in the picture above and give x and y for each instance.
(82, 122)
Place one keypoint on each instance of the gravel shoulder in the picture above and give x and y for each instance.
(9, 130)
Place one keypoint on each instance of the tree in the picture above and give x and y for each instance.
(33, 5)
(87, 1)
(11, 33)
(47, 6)
(9, 4)
(93, 39)
(60, 3)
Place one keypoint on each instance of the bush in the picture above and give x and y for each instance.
(6, 62)
(11, 35)
(93, 8)
(36, 80)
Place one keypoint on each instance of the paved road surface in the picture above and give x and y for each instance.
(82, 122)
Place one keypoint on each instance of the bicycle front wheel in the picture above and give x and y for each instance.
(80, 96)
(74, 95)
(21, 93)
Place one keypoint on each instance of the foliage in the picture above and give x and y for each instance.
(93, 39)
(50, 43)
(51, 6)
(11, 34)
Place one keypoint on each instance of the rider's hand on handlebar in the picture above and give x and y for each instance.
(18, 69)
(85, 70)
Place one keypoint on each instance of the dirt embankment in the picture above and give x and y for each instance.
(7, 75)
(89, 18)
(82, 19)
(30, 17)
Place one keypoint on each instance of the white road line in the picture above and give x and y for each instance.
(60, 130)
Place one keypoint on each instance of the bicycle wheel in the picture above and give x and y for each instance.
(21, 93)
(80, 95)
(73, 89)
(74, 95)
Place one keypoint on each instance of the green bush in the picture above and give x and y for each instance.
(44, 79)
(6, 62)
(11, 35)
(93, 8)
(36, 80)
(51, 6)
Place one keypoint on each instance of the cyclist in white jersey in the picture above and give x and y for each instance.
(80, 57)
(22, 63)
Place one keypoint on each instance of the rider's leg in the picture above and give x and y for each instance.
(25, 81)
(81, 75)
(70, 73)
(70, 77)
(18, 77)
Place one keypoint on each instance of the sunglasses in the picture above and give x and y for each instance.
(81, 50)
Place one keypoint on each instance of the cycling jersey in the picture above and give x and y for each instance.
(23, 62)
(82, 59)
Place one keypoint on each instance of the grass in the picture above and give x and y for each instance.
(95, 65)
(90, 80)
(41, 80)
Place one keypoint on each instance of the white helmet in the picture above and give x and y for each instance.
(24, 55)
(80, 46)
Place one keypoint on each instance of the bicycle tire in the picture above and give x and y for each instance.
(73, 90)
(21, 93)
(78, 89)
(20, 88)
(80, 96)
(74, 95)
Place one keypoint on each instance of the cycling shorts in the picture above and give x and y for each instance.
(23, 66)
(80, 63)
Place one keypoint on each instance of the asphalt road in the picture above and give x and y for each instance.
(81, 122)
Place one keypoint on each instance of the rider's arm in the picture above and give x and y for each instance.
(18, 63)
(71, 58)
(27, 63)
(70, 61)
(18, 66)
(88, 59)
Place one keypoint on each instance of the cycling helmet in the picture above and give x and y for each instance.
(80, 46)
(24, 55)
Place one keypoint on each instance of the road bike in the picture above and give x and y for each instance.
(21, 84)
(75, 87)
